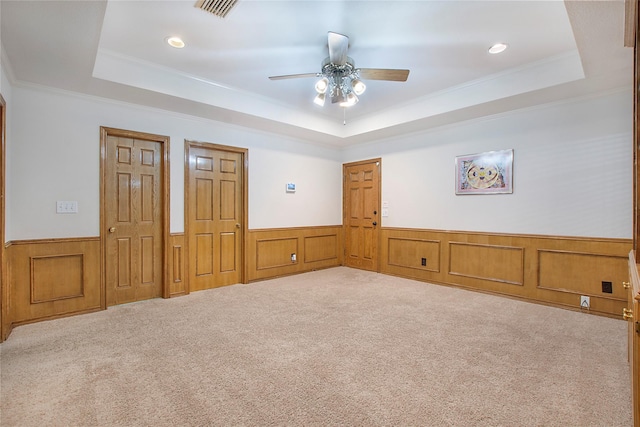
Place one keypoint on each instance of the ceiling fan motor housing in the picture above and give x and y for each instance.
(340, 78)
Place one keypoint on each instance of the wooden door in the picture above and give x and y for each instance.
(634, 353)
(632, 315)
(214, 214)
(133, 207)
(362, 214)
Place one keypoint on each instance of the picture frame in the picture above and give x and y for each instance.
(485, 173)
(291, 187)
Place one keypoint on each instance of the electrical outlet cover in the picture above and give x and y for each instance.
(585, 301)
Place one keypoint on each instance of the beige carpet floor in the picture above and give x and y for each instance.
(332, 347)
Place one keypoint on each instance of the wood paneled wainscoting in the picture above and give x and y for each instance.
(177, 279)
(52, 278)
(270, 250)
(546, 269)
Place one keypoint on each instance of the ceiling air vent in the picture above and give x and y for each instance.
(217, 7)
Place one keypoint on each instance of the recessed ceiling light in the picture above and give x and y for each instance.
(175, 42)
(498, 48)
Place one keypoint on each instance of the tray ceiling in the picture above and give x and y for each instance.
(118, 49)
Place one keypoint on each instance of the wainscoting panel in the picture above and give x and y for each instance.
(471, 260)
(54, 278)
(553, 270)
(314, 248)
(276, 252)
(177, 277)
(410, 253)
(582, 274)
(320, 248)
(57, 277)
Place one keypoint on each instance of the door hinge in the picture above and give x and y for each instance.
(637, 327)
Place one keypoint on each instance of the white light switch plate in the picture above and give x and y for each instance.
(66, 207)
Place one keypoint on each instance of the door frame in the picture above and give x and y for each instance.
(244, 153)
(344, 207)
(164, 203)
(5, 304)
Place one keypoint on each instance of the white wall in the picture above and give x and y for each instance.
(572, 169)
(6, 92)
(572, 172)
(55, 155)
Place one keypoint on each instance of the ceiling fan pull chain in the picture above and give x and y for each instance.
(344, 116)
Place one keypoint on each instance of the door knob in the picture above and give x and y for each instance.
(626, 285)
(375, 223)
(112, 230)
(237, 225)
(627, 314)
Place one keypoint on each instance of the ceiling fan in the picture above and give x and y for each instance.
(340, 78)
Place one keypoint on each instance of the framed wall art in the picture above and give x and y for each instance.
(485, 173)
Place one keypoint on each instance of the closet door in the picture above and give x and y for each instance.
(214, 214)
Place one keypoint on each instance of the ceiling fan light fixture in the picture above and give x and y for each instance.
(322, 84)
(351, 99)
(498, 48)
(358, 86)
(319, 99)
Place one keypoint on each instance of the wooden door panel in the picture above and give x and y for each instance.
(204, 163)
(204, 254)
(147, 198)
(124, 263)
(361, 204)
(214, 209)
(356, 205)
(354, 238)
(204, 199)
(227, 246)
(228, 166)
(124, 285)
(147, 257)
(123, 199)
(370, 202)
(123, 153)
(228, 194)
(367, 249)
(147, 157)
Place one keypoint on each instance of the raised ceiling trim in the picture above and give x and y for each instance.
(516, 81)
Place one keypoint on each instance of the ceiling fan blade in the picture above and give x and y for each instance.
(293, 76)
(383, 74)
(338, 46)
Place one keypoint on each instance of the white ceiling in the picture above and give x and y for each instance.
(117, 49)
